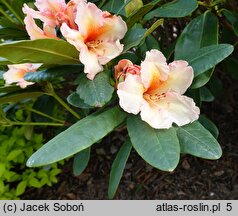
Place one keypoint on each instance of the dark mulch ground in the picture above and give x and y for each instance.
(193, 179)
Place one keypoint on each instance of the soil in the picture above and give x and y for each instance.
(194, 178)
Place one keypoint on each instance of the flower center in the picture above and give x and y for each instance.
(154, 97)
(94, 43)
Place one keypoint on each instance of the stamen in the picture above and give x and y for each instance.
(94, 43)
(154, 97)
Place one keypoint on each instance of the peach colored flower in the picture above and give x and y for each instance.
(52, 14)
(16, 73)
(157, 92)
(35, 32)
(97, 38)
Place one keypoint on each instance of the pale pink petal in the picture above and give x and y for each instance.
(48, 19)
(155, 117)
(50, 31)
(16, 73)
(180, 78)
(12, 76)
(115, 28)
(154, 70)
(130, 94)
(89, 19)
(33, 67)
(33, 30)
(108, 50)
(91, 63)
(24, 84)
(74, 37)
(50, 5)
(173, 108)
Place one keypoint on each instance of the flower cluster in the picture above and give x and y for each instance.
(96, 34)
(155, 90)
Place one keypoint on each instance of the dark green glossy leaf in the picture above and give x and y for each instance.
(159, 148)
(47, 51)
(96, 92)
(198, 141)
(206, 95)
(207, 57)
(52, 73)
(116, 6)
(75, 100)
(201, 31)
(133, 37)
(232, 18)
(216, 86)
(202, 79)
(78, 137)
(176, 8)
(81, 160)
(118, 167)
(209, 125)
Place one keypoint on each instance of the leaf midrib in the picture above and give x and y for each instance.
(208, 147)
(44, 51)
(207, 53)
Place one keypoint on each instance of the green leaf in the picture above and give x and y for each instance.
(78, 137)
(133, 6)
(3, 118)
(116, 6)
(207, 57)
(140, 13)
(75, 100)
(34, 182)
(16, 97)
(21, 187)
(15, 34)
(13, 154)
(202, 79)
(8, 89)
(133, 37)
(47, 51)
(206, 95)
(153, 27)
(81, 161)
(196, 140)
(176, 8)
(159, 148)
(96, 92)
(200, 32)
(209, 125)
(52, 73)
(232, 18)
(118, 167)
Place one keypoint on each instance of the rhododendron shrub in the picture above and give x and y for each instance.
(116, 65)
